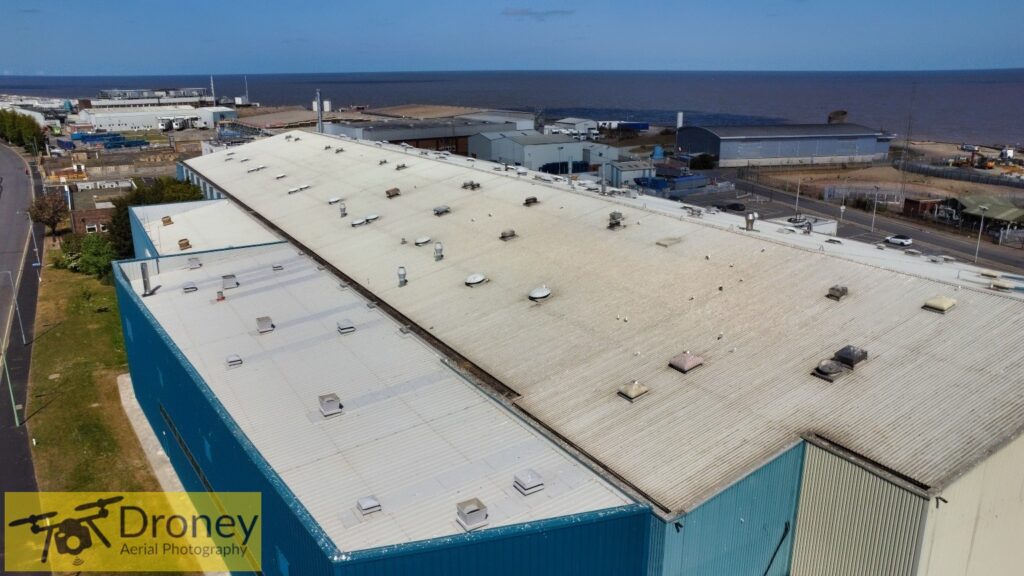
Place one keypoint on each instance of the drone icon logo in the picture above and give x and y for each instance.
(72, 535)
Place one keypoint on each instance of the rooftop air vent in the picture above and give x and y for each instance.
(829, 370)
(940, 304)
(228, 159)
(470, 185)
(475, 279)
(540, 293)
(229, 281)
(422, 241)
(296, 139)
(279, 176)
(277, 267)
(231, 153)
(530, 201)
(358, 222)
(293, 190)
(166, 221)
(346, 326)
(1001, 285)
(184, 244)
(194, 264)
(244, 160)
(333, 200)
(233, 361)
(342, 210)
(438, 251)
(392, 192)
(685, 362)
(330, 404)
(368, 505)
(403, 277)
(851, 355)
(339, 150)
(615, 220)
(382, 162)
(507, 235)
(264, 325)
(304, 187)
(841, 362)
(528, 482)
(327, 146)
(288, 137)
(441, 210)
(189, 287)
(990, 274)
(401, 167)
(837, 292)
(632, 391)
(471, 514)
(372, 218)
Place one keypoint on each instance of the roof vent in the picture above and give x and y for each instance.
(368, 505)
(851, 355)
(829, 370)
(229, 281)
(188, 287)
(277, 267)
(403, 277)
(184, 244)
(342, 210)
(438, 251)
(471, 514)
(346, 326)
(841, 362)
(441, 210)
(530, 201)
(392, 192)
(615, 220)
(632, 391)
(288, 137)
(333, 200)
(1001, 285)
(330, 404)
(940, 304)
(244, 160)
(296, 139)
(293, 190)
(358, 222)
(233, 361)
(304, 187)
(264, 325)
(339, 150)
(470, 185)
(837, 292)
(540, 293)
(401, 167)
(685, 362)
(166, 220)
(372, 218)
(194, 264)
(475, 279)
(528, 481)
(507, 235)
(990, 274)
(279, 176)
(327, 146)
(422, 241)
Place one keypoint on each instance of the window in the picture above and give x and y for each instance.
(103, 227)
(91, 228)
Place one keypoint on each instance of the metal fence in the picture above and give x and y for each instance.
(953, 173)
(845, 193)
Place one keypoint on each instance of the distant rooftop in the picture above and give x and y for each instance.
(206, 224)
(412, 433)
(789, 130)
(422, 111)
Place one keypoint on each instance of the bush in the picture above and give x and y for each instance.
(97, 254)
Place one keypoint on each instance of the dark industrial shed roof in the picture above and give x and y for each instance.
(789, 131)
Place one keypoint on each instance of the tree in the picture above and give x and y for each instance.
(162, 191)
(50, 210)
(21, 130)
(96, 256)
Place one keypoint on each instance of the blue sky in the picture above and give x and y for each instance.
(99, 37)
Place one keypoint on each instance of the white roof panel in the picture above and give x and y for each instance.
(207, 224)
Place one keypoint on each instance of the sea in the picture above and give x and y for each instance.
(978, 106)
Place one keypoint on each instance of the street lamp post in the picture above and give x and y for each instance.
(796, 207)
(981, 227)
(874, 209)
(14, 301)
(560, 159)
(842, 211)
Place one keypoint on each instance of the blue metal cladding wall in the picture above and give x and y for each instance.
(166, 383)
(738, 531)
(609, 542)
(144, 247)
(758, 148)
(216, 455)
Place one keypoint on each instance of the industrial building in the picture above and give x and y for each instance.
(200, 226)
(146, 97)
(552, 153)
(132, 119)
(773, 407)
(785, 144)
(625, 173)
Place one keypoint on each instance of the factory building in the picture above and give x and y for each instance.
(785, 144)
(200, 226)
(447, 135)
(146, 97)
(132, 119)
(626, 173)
(552, 153)
(771, 407)
(574, 126)
(211, 115)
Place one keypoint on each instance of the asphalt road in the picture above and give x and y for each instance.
(16, 472)
(857, 225)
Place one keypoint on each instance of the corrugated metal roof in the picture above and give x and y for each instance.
(413, 433)
(207, 224)
(937, 394)
(788, 130)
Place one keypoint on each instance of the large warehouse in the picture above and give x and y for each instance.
(698, 370)
(527, 148)
(785, 144)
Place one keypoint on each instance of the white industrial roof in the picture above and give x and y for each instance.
(146, 110)
(937, 393)
(412, 433)
(207, 224)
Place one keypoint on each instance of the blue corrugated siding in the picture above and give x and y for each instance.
(738, 531)
(209, 451)
(165, 383)
(757, 148)
(144, 247)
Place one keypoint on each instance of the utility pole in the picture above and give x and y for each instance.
(874, 210)
(796, 207)
(981, 227)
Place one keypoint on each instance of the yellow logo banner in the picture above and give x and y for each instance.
(132, 531)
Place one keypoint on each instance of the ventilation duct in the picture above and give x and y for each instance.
(330, 404)
(539, 294)
(1001, 285)
(422, 241)
(475, 279)
(264, 325)
(632, 391)
(392, 192)
(189, 287)
(940, 304)
(333, 200)
(441, 210)
(438, 252)
(615, 220)
(471, 514)
(685, 362)
(229, 281)
(194, 264)
(530, 201)
(837, 292)
(403, 278)
(528, 482)
(346, 326)
(368, 505)
(342, 210)
(507, 235)
(233, 361)
(147, 288)
(166, 220)
(184, 244)
(840, 364)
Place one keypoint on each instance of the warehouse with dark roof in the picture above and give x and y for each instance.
(785, 144)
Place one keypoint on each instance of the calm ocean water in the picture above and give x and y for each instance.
(974, 106)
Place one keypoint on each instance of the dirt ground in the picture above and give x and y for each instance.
(889, 177)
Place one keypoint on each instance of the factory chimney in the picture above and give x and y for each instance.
(679, 120)
(319, 113)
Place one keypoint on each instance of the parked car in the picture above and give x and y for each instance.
(900, 240)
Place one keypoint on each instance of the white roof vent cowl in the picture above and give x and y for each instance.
(330, 404)
(528, 482)
(471, 514)
(368, 505)
(475, 279)
(264, 325)
(540, 293)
